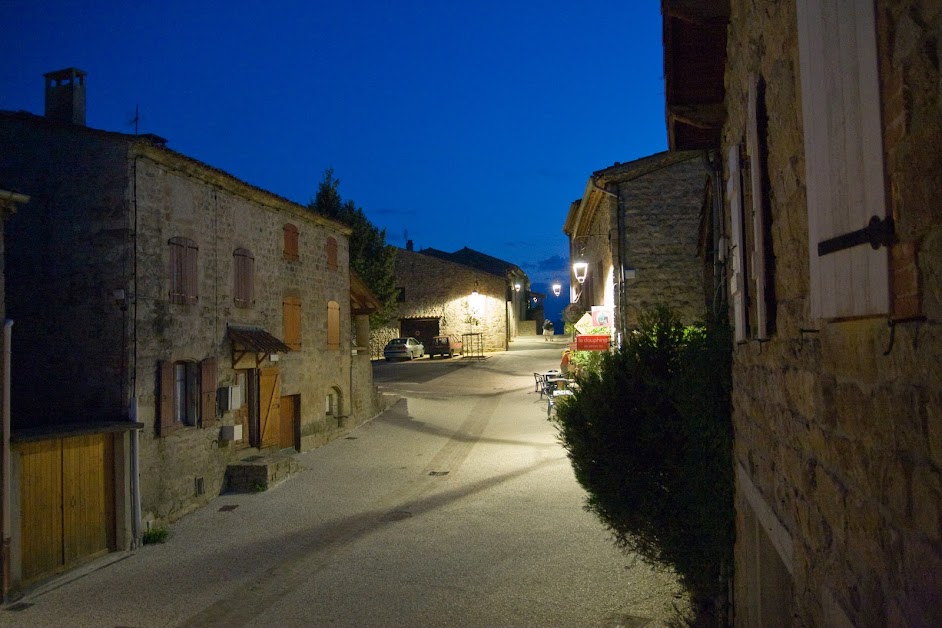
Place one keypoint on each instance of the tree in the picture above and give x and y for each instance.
(370, 256)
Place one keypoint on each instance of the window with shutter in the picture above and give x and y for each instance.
(291, 242)
(331, 254)
(244, 288)
(185, 393)
(843, 157)
(183, 276)
(208, 379)
(292, 322)
(333, 326)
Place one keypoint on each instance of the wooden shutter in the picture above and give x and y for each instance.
(333, 326)
(291, 242)
(208, 379)
(165, 385)
(843, 154)
(737, 286)
(244, 281)
(184, 285)
(331, 253)
(269, 406)
(756, 169)
(292, 322)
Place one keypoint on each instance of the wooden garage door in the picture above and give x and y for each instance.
(67, 498)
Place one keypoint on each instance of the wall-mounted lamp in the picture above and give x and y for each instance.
(557, 288)
(580, 269)
(517, 287)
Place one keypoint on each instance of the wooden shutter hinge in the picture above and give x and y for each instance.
(878, 232)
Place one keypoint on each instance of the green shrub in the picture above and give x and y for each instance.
(155, 534)
(650, 439)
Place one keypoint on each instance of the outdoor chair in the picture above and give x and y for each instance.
(540, 383)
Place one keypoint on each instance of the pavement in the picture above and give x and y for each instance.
(456, 507)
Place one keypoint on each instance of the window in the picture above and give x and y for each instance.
(183, 278)
(291, 242)
(187, 394)
(291, 307)
(331, 254)
(244, 289)
(844, 174)
(333, 326)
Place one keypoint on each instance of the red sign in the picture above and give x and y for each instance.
(586, 342)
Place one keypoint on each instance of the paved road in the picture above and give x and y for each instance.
(455, 508)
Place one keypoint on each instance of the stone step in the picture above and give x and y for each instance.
(260, 472)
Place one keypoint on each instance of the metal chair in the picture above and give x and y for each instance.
(540, 380)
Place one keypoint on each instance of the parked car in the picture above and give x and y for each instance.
(403, 349)
(444, 345)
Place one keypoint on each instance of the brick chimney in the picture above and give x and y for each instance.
(65, 96)
(409, 245)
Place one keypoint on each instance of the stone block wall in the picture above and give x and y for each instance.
(661, 231)
(838, 423)
(435, 288)
(65, 258)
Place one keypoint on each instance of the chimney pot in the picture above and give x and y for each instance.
(65, 96)
(409, 245)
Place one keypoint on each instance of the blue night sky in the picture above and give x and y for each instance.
(460, 124)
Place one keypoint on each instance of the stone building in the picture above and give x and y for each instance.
(824, 122)
(151, 290)
(637, 226)
(439, 295)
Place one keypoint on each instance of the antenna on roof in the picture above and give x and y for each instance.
(136, 119)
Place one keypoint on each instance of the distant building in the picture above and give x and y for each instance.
(154, 292)
(637, 229)
(457, 293)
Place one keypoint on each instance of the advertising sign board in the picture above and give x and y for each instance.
(592, 343)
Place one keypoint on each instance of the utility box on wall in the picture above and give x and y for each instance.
(230, 433)
(229, 398)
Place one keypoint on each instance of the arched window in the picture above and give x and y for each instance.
(184, 286)
(291, 242)
(243, 290)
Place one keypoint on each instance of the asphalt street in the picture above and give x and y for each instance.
(457, 507)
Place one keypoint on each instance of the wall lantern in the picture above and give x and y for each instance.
(557, 288)
(580, 268)
(517, 287)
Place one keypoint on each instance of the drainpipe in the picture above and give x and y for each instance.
(135, 435)
(5, 479)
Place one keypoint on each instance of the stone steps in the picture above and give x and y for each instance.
(260, 472)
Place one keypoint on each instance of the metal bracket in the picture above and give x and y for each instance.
(877, 233)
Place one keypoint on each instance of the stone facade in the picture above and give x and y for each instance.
(90, 280)
(838, 422)
(440, 290)
(655, 204)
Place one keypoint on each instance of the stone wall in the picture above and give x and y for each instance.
(839, 423)
(661, 230)
(435, 288)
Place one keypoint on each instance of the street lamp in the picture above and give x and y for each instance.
(580, 269)
(557, 288)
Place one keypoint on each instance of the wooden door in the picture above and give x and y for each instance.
(290, 407)
(87, 496)
(269, 406)
(67, 502)
(41, 507)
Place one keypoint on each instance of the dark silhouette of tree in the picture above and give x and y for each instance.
(370, 256)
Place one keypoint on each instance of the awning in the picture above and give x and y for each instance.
(253, 340)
